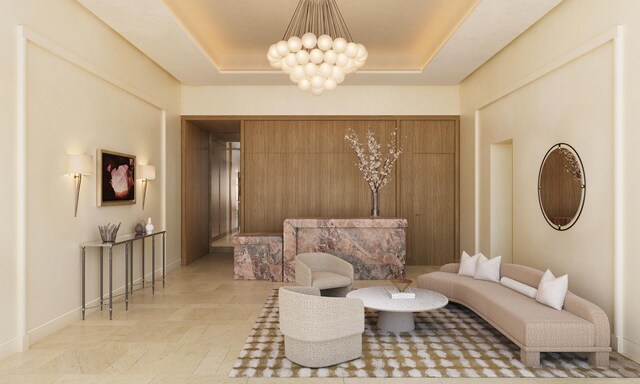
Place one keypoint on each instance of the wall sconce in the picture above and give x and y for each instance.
(78, 165)
(146, 173)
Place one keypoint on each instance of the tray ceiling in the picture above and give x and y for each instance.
(410, 42)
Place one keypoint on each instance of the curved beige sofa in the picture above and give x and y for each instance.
(580, 327)
(320, 331)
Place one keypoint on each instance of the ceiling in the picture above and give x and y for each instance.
(410, 42)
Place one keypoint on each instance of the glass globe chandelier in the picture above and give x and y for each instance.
(317, 50)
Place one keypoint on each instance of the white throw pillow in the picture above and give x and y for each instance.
(519, 287)
(468, 264)
(488, 269)
(552, 290)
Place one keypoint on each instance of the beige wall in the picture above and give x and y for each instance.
(70, 110)
(573, 103)
(344, 100)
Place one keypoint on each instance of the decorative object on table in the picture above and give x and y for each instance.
(401, 284)
(146, 173)
(77, 166)
(149, 227)
(317, 50)
(108, 232)
(561, 186)
(139, 228)
(374, 166)
(116, 178)
(394, 293)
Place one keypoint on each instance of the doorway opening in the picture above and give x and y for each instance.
(502, 200)
(211, 173)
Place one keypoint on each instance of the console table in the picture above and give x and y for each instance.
(128, 241)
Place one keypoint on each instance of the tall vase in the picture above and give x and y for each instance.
(375, 209)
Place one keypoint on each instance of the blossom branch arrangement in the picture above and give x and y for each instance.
(571, 165)
(375, 166)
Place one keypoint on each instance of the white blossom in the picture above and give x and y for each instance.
(375, 168)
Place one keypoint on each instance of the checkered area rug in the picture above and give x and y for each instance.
(449, 342)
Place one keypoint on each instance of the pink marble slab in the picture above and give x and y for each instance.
(257, 256)
(375, 247)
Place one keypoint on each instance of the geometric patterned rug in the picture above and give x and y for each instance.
(449, 342)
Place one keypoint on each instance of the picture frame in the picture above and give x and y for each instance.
(116, 178)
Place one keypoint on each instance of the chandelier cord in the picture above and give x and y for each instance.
(322, 17)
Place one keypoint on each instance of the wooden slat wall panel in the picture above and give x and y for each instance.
(428, 185)
(304, 167)
(263, 192)
(433, 209)
(195, 192)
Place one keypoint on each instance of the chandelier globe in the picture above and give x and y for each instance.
(317, 50)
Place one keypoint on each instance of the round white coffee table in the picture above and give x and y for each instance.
(396, 315)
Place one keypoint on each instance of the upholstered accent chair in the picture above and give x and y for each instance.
(320, 331)
(329, 273)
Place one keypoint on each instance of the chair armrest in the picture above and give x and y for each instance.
(593, 314)
(310, 317)
(312, 291)
(303, 274)
(451, 268)
(341, 267)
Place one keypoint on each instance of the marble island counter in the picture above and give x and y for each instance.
(376, 247)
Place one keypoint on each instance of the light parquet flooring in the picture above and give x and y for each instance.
(190, 332)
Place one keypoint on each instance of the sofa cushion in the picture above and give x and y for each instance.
(328, 280)
(520, 317)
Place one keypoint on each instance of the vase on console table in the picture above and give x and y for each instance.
(149, 227)
(375, 208)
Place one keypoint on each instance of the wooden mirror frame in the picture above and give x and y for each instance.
(583, 186)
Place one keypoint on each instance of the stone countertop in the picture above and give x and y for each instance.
(347, 222)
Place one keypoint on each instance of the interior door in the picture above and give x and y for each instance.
(428, 190)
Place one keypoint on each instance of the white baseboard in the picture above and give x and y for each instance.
(615, 342)
(631, 350)
(10, 347)
(40, 332)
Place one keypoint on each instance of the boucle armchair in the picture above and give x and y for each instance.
(329, 273)
(320, 331)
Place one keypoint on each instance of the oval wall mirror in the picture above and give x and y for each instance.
(561, 186)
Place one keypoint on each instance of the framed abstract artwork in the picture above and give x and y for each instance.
(116, 178)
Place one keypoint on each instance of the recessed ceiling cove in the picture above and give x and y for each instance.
(410, 42)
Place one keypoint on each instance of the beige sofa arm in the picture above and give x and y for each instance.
(451, 268)
(303, 274)
(593, 314)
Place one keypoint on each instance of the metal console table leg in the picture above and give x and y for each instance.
(164, 257)
(143, 240)
(110, 283)
(153, 264)
(131, 269)
(101, 278)
(126, 277)
(83, 281)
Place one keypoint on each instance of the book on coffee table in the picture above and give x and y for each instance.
(395, 294)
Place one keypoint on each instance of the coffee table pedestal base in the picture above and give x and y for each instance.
(396, 321)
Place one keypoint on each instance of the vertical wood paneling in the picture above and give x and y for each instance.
(428, 190)
(263, 192)
(195, 192)
(305, 168)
